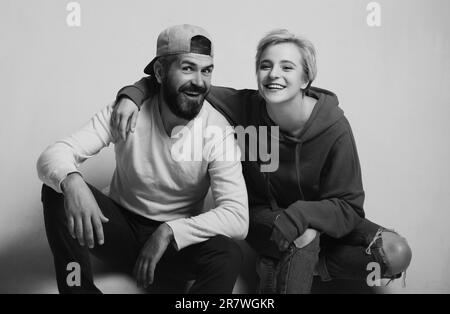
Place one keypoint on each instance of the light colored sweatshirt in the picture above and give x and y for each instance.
(165, 178)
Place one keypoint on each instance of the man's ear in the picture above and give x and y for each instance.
(158, 70)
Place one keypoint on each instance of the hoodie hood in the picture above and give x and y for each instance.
(326, 113)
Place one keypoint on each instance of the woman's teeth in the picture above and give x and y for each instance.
(275, 86)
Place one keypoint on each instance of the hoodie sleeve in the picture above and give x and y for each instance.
(235, 105)
(138, 93)
(340, 207)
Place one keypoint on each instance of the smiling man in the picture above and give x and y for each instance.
(152, 222)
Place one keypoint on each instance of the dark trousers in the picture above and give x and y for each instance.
(348, 257)
(214, 264)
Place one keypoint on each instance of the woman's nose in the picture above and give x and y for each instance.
(274, 72)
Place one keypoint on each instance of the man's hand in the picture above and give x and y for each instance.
(84, 217)
(150, 255)
(124, 118)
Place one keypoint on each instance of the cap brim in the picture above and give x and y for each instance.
(149, 68)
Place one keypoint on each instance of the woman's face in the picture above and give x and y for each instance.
(280, 73)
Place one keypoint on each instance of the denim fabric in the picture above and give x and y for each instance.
(266, 270)
(348, 257)
(293, 273)
(345, 258)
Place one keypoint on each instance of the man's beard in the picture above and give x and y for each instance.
(179, 103)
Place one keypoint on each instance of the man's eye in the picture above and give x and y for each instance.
(207, 71)
(187, 68)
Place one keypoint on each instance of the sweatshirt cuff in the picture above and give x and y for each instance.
(132, 92)
(288, 228)
(180, 230)
(58, 176)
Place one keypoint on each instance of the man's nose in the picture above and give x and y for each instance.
(197, 79)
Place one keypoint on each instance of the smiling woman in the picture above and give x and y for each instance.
(285, 69)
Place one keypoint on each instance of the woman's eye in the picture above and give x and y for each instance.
(287, 68)
(264, 67)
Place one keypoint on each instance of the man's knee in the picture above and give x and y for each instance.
(49, 195)
(227, 252)
(52, 201)
(397, 253)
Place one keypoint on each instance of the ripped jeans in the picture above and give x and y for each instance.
(345, 258)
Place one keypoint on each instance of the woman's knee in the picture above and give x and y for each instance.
(397, 253)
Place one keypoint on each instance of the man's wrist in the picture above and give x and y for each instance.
(168, 232)
(65, 184)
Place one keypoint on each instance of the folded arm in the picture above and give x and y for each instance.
(230, 216)
(340, 208)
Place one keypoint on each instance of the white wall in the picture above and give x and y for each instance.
(392, 82)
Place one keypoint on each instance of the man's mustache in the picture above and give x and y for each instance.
(193, 89)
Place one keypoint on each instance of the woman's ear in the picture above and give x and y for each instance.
(305, 85)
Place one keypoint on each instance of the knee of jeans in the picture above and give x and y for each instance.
(397, 253)
(306, 255)
(313, 246)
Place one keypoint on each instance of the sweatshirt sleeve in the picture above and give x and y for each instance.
(64, 157)
(340, 208)
(230, 217)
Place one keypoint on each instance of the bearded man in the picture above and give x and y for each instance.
(152, 222)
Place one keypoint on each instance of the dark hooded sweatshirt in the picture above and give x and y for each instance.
(318, 182)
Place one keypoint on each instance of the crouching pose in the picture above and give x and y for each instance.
(152, 222)
(306, 216)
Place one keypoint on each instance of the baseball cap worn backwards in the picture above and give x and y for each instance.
(181, 39)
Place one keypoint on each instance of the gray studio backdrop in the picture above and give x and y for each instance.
(392, 81)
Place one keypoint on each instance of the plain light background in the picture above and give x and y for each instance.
(392, 82)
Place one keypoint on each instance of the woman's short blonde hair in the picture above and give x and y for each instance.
(306, 48)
